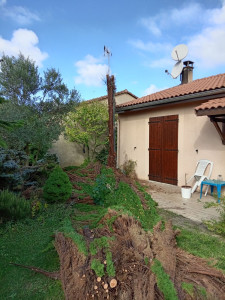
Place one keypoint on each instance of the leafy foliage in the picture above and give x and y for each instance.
(57, 187)
(7, 125)
(217, 226)
(163, 281)
(102, 156)
(109, 264)
(75, 236)
(88, 126)
(188, 287)
(98, 267)
(104, 184)
(15, 175)
(12, 206)
(104, 192)
(11, 162)
(128, 167)
(40, 102)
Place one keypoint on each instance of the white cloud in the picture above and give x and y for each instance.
(19, 14)
(217, 16)
(151, 25)
(91, 71)
(186, 15)
(152, 89)
(208, 48)
(150, 46)
(175, 17)
(161, 63)
(23, 41)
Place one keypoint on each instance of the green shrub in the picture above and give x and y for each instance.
(128, 168)
(104, 185)
(217, 226)
(102, 156)
(57, 187)
(12, 206)
(16, 175)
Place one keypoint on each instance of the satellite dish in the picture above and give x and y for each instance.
(177, 69)
(179, 52)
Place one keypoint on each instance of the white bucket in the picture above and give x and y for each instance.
(186, 191)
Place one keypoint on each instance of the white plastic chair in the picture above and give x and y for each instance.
(200, 175)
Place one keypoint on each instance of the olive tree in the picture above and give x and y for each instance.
(88, 126)
(40, 102)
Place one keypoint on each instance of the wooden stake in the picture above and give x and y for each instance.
(111, 91)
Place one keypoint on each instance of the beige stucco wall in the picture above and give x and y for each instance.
(71, 154)
(194, 133)
(123, 98)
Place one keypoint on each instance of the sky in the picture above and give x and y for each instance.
(70, 36)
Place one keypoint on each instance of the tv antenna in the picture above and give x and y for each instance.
(108, 53)
(178, 53)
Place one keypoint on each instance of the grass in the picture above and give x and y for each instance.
(29, 242)
(78, 239)
(203, 245)
(197, 239)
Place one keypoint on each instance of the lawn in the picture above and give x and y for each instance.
(30, 242)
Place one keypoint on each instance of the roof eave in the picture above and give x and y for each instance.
(211, 111)
(205, 95)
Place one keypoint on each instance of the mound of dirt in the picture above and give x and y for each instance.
(133, 254)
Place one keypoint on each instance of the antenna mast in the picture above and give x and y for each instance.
(107, 53)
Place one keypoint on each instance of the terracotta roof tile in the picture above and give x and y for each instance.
(117, 94)
(215, 103)
(198, 85)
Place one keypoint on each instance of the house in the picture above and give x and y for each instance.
(167, 132)
(72, 153)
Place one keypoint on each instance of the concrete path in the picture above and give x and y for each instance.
(169, 197)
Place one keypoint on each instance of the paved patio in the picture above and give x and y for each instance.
(169, 197)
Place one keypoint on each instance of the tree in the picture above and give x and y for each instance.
(88, 126)
(7, 125)
(41, 102)
(19, 79)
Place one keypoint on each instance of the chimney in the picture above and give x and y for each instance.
(187, 73)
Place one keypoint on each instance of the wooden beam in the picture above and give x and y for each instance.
(222, 136)
(211, 111)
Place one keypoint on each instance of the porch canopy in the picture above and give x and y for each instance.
(215, 110)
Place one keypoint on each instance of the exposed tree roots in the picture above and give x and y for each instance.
(133, 253)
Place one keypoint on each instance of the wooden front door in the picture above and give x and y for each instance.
(163, 149)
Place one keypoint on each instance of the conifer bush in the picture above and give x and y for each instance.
(57, 187)
(12, 206)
